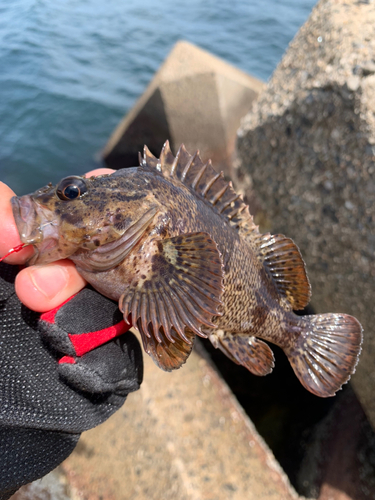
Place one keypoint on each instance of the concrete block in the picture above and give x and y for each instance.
(309, 145)
(139, 455)
(196, 99)
(53, 486)
(181, 436)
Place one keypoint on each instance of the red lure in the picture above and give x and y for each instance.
(14, 250)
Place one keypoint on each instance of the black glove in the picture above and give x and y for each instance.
(48, 395)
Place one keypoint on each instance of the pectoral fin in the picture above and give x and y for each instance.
(181, 291)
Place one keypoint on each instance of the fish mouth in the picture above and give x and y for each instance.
(25, 216)
(35, 227)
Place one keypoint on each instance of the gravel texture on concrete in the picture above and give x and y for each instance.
(309, 146)
(182, 436)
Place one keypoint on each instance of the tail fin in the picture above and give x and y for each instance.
(326, 353)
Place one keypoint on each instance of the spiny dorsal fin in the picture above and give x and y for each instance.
(282, 258)
(149, 160)
(205, 181)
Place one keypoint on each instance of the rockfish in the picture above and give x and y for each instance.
(173, 243)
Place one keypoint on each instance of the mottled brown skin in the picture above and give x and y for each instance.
(252, 304)
(164, 207)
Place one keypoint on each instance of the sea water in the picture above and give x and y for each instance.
(70, 70)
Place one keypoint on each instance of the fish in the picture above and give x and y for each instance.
(176, 246)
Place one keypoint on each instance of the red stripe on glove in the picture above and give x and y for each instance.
(85, 342)
(49, 316)
(68, 360)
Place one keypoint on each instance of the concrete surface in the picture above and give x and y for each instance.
(53, 486)
(183, 436)
(196, 99)
(309, 146)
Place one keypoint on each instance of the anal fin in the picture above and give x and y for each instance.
(249, 352)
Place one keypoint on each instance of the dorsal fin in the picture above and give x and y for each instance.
(282, 258)
(206, 182)
(279, 255)
(148, 159)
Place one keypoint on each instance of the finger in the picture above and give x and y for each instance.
(9, 237)
(99, 171)
(41, 288)
(44, 287)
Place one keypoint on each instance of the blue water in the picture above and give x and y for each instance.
(70, 70)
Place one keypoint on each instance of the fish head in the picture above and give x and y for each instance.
(80, 214)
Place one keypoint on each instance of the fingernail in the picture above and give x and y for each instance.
(50, 280)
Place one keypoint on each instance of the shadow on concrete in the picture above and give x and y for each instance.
(325, 446)
(149, 126)
(195, 98)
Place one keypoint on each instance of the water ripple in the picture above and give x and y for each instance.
(70, 70)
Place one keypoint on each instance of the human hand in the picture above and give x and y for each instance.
(47, 400)
(46, 404)
(42, 287)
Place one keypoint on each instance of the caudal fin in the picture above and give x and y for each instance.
(326, 353)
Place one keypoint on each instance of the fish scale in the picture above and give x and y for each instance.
(177, 247)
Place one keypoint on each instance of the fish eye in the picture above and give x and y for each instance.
(71, 188)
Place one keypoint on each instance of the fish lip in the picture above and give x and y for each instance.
(24, 214)
(34, 224)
